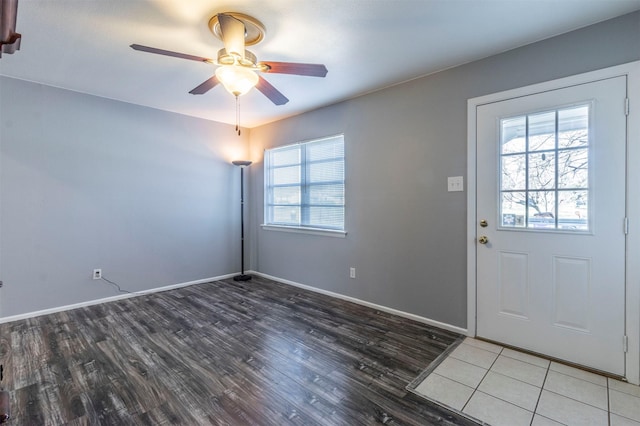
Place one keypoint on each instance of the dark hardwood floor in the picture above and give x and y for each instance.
(222, 353)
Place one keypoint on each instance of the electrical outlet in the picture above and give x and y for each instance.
(352, 272)
(97, 274)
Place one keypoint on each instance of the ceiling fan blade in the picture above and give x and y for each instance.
(170, 53)
(271, 92)
(311, 70)
(205, 86)
(233, 32)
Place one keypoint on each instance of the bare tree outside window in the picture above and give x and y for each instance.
(544, 170)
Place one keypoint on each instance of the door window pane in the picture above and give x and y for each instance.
(542, 131)
(573, 168)
(514, 131)
(513, 209)
(572, 210)
(514, 169)
(542, 209)
(573, 129)
(544, 170)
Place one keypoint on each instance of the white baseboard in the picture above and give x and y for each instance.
(408, 315)
(110, 299)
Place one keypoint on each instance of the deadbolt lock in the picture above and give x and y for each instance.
(484, 223)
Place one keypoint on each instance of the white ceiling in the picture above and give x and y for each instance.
(83, 45)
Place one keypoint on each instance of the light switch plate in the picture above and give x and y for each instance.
(455, 183)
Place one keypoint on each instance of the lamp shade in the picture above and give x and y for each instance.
(236, 79)
(241, 163)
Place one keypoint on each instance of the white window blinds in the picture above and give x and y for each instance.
(304, 184)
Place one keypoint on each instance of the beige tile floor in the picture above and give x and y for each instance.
(501, 386)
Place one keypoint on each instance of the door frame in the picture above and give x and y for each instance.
(632, 272)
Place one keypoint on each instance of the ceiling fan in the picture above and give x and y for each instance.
(237, 67)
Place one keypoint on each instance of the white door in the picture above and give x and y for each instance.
(551, 191)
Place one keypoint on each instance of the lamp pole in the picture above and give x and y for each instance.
(242, 165)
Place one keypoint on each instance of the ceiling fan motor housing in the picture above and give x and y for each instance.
(249, 60)
(254, 30)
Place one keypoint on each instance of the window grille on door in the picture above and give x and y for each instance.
(544, 170)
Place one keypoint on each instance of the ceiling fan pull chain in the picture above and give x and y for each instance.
(238, 115)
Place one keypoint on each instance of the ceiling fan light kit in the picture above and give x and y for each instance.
(237, 79)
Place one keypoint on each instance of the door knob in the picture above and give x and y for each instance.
(483, 240)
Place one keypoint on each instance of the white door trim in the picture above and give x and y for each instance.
(632, 314)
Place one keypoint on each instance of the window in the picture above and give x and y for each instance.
(544, 162)
(304, 185)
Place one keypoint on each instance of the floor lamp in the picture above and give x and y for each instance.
(242, 165)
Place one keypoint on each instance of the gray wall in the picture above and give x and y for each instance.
(148, 196)
(406, 233)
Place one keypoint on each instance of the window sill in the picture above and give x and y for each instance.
(301, 230)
